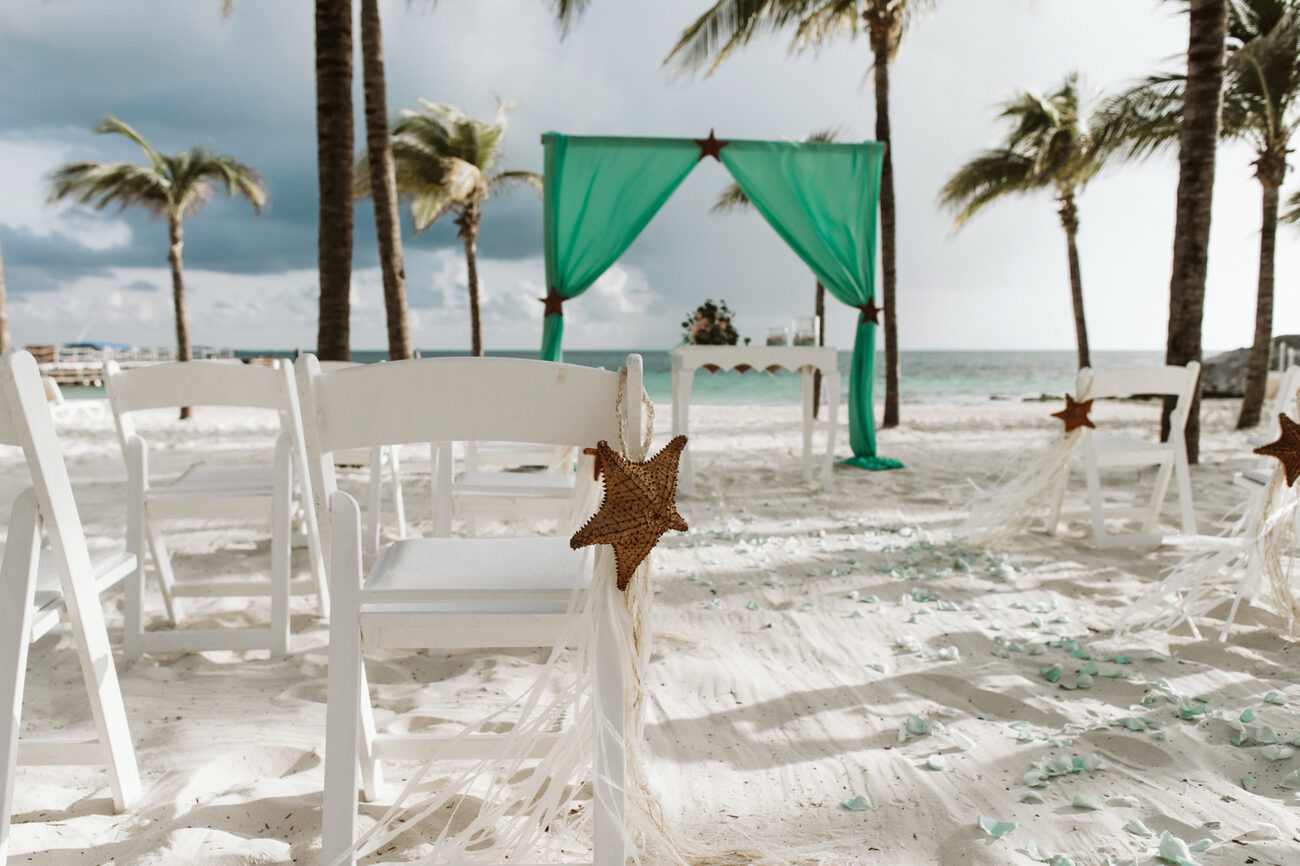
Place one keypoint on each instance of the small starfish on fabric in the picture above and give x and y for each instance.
(1075, 414)
(711, 146)
(554, 302)
(638, 507)
(1286, 449)
(870, 312)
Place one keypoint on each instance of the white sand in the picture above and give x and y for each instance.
(762, 721)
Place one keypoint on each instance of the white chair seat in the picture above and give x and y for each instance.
(109, 568)
(480, 570)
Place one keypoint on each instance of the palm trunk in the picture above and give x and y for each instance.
(1270, 171)
(468, 222)
(4, 310)
(883, 35)
(1207, 30)
(1069, 214)
(820, 313)
(383, 186)
(176, 238)
(334, 171)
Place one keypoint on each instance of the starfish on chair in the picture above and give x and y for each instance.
(1075, 414)
(1286, 449)
(639, 506)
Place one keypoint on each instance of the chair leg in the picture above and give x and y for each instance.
(1058, 498)
(17, 586)
(399, 505)
(1099, 534)
(281, 552)
(374, 514)
(609, 765)
(162, 561)
(1185, 503)
(372, 772)
(1163, 474)
(136, 542)
(342, 728)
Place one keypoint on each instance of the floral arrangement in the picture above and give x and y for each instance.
(710, 325)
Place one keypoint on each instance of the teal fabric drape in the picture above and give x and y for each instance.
(822, 200)
(598, 194)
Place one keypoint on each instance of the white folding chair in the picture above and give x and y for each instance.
(1106, 452)
(528, 481)
(453, 592)
(39, 586)
(214, 492)
(376, 459)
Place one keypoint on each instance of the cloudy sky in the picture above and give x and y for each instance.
(181, 75)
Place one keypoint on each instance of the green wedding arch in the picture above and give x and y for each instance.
(600, 192)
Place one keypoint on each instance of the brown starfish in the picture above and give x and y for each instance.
(711, 146)
(554, 302)
(870, 312)
(638, 506)
(1075, 414)
(1286, 449)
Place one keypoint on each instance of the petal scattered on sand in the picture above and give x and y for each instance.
(994, 827)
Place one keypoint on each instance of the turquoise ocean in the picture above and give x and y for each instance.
(938, 377)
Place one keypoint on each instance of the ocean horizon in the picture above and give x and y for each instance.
(953, 377)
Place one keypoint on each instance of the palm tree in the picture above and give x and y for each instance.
(1051, 145)
(1261, 106)
(4, 310)
(730, 24)
(448, 162)
(334, 176)
(380, 153)
(733, 198)
(1198, 138)
(168, 187)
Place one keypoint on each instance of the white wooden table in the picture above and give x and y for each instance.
(801, 359)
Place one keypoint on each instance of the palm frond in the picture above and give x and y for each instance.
(104, 184)
(1291, 209)
(724, 27)
(732, 198)
(991, 175)
(505, 181)
(567, 12)
(110, 125)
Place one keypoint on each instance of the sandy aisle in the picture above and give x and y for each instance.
(797, 631)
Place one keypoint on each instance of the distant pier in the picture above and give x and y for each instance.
(84, 364)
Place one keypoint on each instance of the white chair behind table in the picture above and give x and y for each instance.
(376, 458)
(1102, 452)
(39, 586)
(214, 492)
(528, 481)
(453, 592)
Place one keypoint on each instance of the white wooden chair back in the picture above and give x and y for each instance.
(459, 399)
(1168, 381)
(1285, 399)
(200, 383)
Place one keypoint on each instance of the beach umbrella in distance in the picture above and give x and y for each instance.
(168, 187)
(731, 24)
(447, 162)
(1261, 107)
(733, 198)
(1050, 145)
